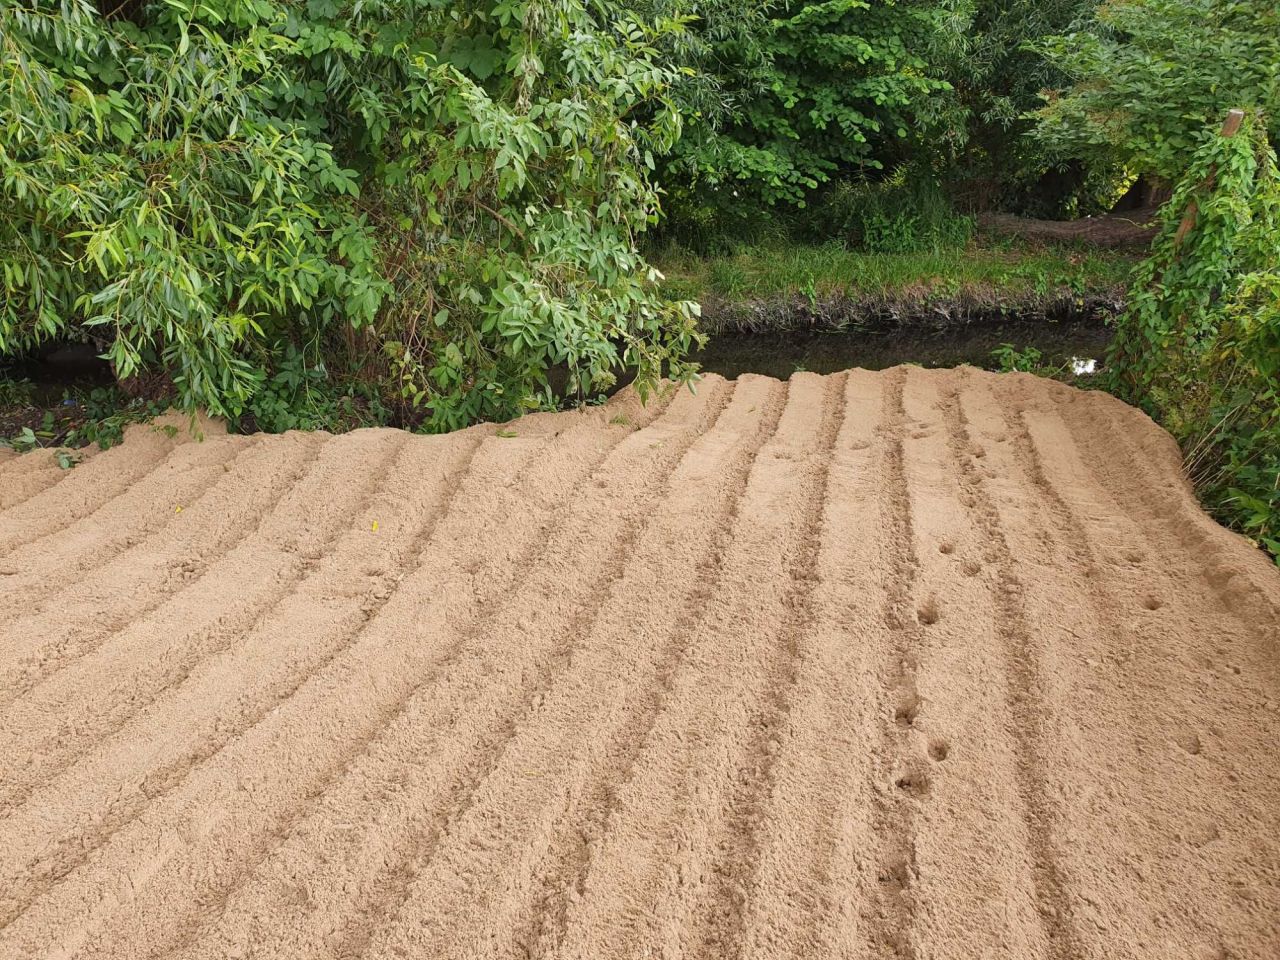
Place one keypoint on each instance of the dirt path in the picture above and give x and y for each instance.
(911, 665)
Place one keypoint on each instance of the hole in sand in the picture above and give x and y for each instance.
(915, 783)
(946, 547)
(1153, 603)
(938, 750)
(907, 711)
(928, 613)
(971, 568)
(895, 873)
(1190, 742)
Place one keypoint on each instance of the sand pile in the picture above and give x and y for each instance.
(905, 665)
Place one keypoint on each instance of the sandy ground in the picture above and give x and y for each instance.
(909, 665)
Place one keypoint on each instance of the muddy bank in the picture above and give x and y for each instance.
(907, 664)
(906, 311)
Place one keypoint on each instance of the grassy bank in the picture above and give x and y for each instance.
(986, 270)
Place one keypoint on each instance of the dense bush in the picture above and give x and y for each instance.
(999, 76)
(1154, 78)
(906, 212)
(824, 89)
(1199, 345)
(444, 197)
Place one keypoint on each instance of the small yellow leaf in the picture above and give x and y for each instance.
(177, 509)
(375, 526)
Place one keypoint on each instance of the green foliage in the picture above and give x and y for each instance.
(448, 194)
(999, 76)
(828, 88)
(904, 213)
(722, 58)
(16, 392)
(1009, 359)
(998, 272)
(155, 200)
(301, 395)
(82, 417)
(1152, 78)
(107, 411)
(23, 441)
(1199, 345)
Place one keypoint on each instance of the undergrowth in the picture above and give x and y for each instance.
(1006, 269)
(1199, 345)
(84, 416)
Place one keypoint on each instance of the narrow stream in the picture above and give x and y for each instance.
(1065, 345)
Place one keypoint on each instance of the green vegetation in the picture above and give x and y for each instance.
(1009, 359)
(999, 78)
(443, 198)
(1155, 78)
(79, 417)
(825, 90)
(328, 213)
(1189, 91)
(1012, 272)
(1199, 346)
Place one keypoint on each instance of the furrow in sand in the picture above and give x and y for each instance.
(1026, 702)
(1146, 653)
(84, 704)
(395, 754)
(955, 766)
(114, 786)
(14, 465)
(712, 490)
(720, 925)
(885, 665)
(443, 749)
(94, 609)
(649, 877)
(908, 852)
(891, 923)
(92, 486)
(198, 839)
(542, 770)
(65, 818)
(132, 592)
(811, 866)
(44, 566)
(1113, 545)
(28, 475)
(1125, 445)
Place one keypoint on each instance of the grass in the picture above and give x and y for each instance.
(813, 272)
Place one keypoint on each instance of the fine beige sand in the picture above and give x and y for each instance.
(910, 665)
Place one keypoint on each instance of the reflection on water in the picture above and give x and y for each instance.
(1083, 368)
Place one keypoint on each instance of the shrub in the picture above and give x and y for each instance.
(906, 213)
(1153, 78)
(444, 197)
(1199, 344)
(819, 90)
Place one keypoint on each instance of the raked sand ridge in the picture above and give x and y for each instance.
(908, 665)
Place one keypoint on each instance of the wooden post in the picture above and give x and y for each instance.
(1230, 127)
